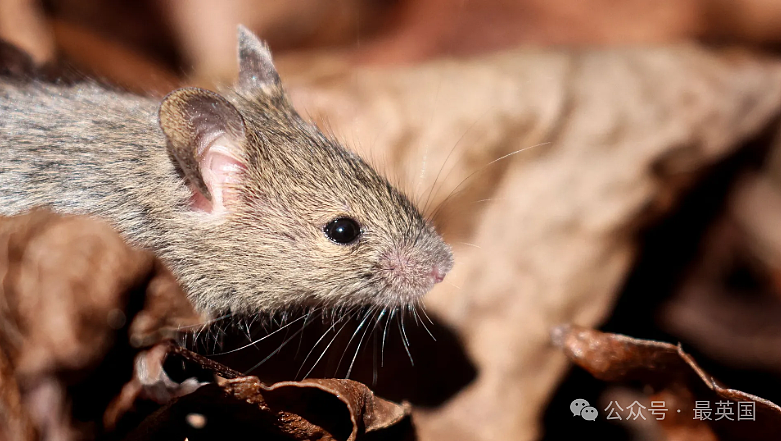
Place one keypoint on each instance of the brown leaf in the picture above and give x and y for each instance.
(673, 375)
(13, 417)
(327, 409)
(74, 296)
(367, 412)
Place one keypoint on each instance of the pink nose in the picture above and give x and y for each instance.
(437, 274)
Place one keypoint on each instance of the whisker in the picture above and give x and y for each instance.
(197, 336)
(385, 334)
(481, 169)
(208, 322)
(409, 312)
(254, 342)
(328, 346)
(427, 150)
(243, 326)
(301, 340)
(381, 314)
(447, 158)
(201, 327)
(425, 314)
(252, 322)
(404, 341)
(515, 153)
(333, 325)
(479, 201)
(357, 349)
(218, 332)
(360, 325)
(374, 358)
(403, 329)
(276, 351)
(452, 284)
(415, 310)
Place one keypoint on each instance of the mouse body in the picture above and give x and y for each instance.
(252, 207)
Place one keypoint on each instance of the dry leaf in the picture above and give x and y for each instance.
(675, 379)
(75, 297)
(234, 405)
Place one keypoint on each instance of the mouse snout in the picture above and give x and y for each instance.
(409, 266)
(439, 271)
(440, 262)
(410, 270)
(444, 262)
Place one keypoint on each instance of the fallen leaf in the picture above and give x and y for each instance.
(673, 375)
(75, 297)
(234, 405)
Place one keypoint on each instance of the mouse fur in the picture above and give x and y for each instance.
(233, 190)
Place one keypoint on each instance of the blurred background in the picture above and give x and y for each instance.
(615, 164)
(145, 44)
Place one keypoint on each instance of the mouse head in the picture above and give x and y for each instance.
(291, 216)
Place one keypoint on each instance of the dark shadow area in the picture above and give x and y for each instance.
(420, 362)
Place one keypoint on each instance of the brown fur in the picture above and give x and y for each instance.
(82, 149)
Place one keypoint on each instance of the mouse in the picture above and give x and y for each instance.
(253, 208)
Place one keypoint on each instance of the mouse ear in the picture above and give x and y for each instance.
(256, 69)
(205, 135)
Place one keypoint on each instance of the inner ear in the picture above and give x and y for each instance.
(206, 136)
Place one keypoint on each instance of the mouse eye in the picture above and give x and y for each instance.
(342, 230)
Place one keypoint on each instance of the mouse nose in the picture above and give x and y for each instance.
(438, 274)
